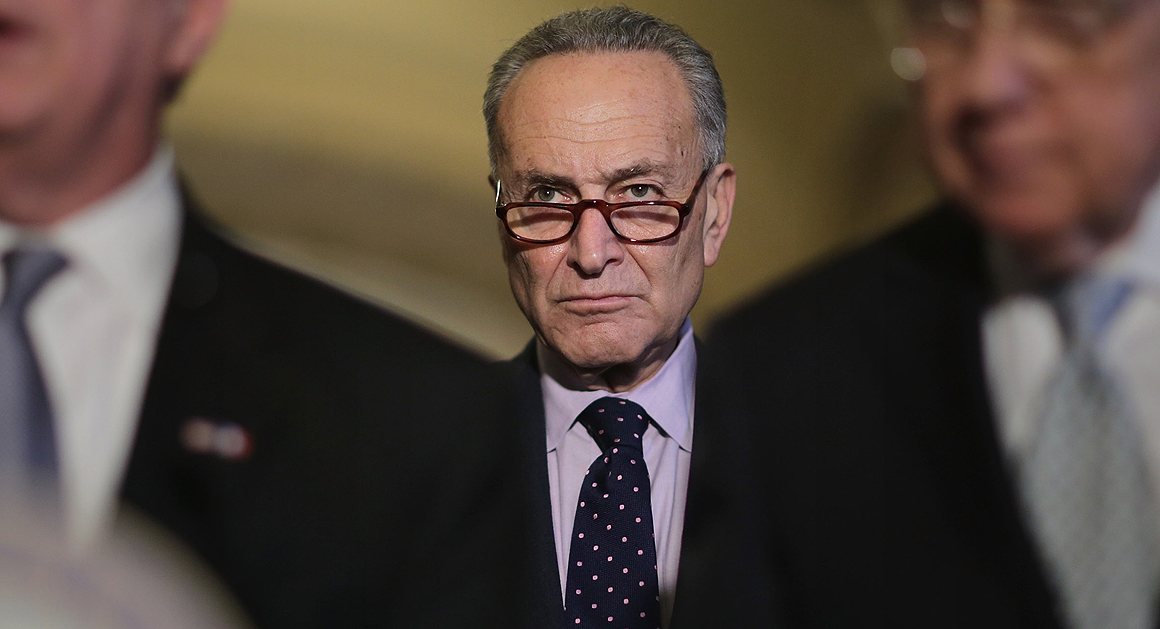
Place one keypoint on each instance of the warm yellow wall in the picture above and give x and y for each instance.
(345, 136)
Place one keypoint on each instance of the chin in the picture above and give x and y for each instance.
(1054, 234)
(591, 350)
(17, 115)
(597, 358)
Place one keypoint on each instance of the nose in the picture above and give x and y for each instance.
(997, 73)
(593, 246)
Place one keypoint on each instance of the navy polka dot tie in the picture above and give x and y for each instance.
(612, 564)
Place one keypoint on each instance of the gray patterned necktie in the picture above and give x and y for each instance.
(1085, 478)
(27, 446)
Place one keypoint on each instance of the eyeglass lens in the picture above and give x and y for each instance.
(1050, 33)
(635, 222)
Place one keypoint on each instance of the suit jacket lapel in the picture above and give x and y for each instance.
(544, 609)
(723, 578)
(195, 378)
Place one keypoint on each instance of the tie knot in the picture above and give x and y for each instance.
(612, 421)
(25, 271)
(1086, 306)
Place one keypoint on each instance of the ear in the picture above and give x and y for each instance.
(721, 186)
(194, 23)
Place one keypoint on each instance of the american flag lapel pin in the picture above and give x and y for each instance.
(223, 439)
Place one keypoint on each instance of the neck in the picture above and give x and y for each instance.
(617, 378)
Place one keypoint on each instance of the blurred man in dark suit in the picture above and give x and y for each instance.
(961, 419)
(324, 458)
(607, 137)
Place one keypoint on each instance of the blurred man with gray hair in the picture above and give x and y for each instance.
(965, 414)
(320, 455)
(607, 140)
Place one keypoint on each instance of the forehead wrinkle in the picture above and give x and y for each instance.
(613, 128)
(625, 149)
(611, 161)
(613, 109)
(588, 133)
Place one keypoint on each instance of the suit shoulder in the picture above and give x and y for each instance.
(940, 248)
(287, 303)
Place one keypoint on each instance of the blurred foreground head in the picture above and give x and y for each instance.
(140, 577)
(1041, 118)
(590, 110)
(83, 84)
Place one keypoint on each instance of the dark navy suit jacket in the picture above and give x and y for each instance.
(886, 498)
(377, 492)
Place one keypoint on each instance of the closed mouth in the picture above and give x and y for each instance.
(1005, 148)
(596, 303)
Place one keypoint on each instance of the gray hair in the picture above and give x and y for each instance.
(615, 29)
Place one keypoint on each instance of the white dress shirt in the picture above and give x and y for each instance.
(1023, 342)
(94, 328)
(668, 397)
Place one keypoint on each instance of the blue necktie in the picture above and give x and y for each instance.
(612, 564)
(1085, 476)
(27, 445)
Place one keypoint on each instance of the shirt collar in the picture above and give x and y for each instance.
(1137, 257)
(126, 241)
(668, 396)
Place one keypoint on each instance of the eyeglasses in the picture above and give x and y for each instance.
(1050, 33)
(634, 221)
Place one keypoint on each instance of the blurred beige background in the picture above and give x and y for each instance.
(344, 137)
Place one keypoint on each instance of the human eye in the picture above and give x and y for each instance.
(546, 195)
(639, 190)
(642, 192)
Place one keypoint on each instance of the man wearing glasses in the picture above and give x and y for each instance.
(607, 140)
(964, 417)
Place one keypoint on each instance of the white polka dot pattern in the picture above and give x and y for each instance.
(612, 567)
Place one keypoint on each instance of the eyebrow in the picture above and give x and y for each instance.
(645, 167)
(542, 178)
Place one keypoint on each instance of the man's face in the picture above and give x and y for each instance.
(82, 87)
(1054, 157)
(613, 126)
(65, 63)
